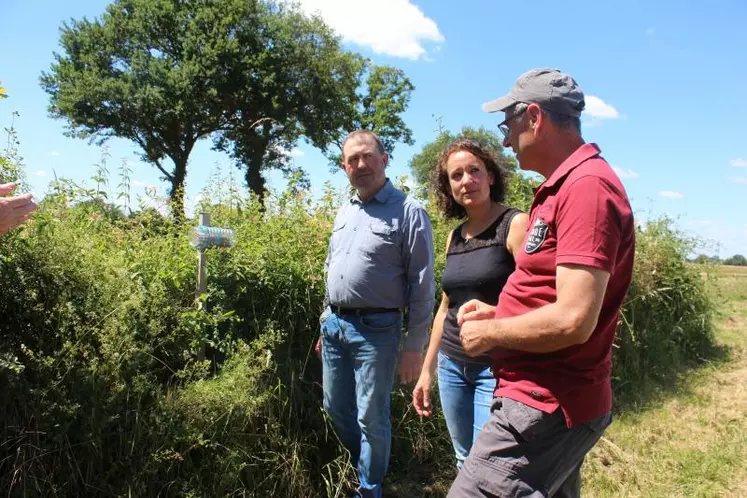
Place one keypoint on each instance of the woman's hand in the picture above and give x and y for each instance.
(421, 395)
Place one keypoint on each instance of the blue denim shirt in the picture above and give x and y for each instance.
(381, 255)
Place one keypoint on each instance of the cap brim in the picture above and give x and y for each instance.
(499, 104)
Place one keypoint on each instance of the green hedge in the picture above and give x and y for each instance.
(104, 393)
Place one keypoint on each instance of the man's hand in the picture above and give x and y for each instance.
(14, 210)
(474, 310)
(410, 363)
(475, 337)
(421, 395)
(318, 347)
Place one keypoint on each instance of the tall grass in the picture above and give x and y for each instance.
(666, 324)
(104, 392)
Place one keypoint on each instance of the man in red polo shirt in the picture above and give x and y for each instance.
(551, 333)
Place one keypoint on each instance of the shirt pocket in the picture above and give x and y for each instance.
(337, 241)
(380, 238)
(337, 231)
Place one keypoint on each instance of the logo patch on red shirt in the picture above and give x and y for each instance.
(536, 237)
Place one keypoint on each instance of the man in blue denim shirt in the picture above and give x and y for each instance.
(380, 262)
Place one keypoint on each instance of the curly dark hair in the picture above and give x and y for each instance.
(440, 178)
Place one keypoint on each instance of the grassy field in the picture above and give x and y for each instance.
(732, 284)
(694, 444)
(689, 438)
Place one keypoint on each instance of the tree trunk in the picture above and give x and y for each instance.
(254, 156)
(254, 179)
(177, 188)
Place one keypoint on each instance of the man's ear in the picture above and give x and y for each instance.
(535, 116)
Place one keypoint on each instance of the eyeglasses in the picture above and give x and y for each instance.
(503, 126)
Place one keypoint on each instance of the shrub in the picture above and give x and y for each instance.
(105, 390)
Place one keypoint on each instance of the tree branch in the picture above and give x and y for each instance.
(168, 175)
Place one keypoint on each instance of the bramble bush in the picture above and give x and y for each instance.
(106, 391)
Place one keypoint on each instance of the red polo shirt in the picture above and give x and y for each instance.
(580, 215)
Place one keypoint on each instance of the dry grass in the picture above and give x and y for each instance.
(732, 282)
(692, 443)
(695, 444)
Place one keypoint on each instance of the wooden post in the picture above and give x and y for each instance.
(201, 279)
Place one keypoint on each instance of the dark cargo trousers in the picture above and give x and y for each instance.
(523, 452)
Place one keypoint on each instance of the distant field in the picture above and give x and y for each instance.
(732, 282)
(739, 271)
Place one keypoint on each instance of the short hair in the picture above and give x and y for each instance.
(563, 121)
(365, 133)
(450, 208)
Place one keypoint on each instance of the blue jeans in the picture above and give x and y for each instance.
(359, 359)
(466, 392)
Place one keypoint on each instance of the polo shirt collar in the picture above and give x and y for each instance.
(583, 153)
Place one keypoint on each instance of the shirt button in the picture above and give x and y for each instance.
(535, 395)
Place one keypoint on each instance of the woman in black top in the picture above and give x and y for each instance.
(479, 259)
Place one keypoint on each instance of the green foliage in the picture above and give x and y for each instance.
(703, 259)
(423, 164)
(105, 391)
(11, 163)
(667, 320)
(380, 109)
(736, 260)
(255, 75)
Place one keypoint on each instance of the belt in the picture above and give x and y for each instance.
(340, 310)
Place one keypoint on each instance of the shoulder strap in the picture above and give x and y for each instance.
(506, 224)
(455, 233)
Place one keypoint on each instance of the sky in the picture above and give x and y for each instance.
(664, 82)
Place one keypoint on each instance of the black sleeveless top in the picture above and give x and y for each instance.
(476, 268)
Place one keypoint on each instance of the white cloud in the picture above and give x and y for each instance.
(296, 152)
(625, 173)
(598, 108)
(53, 153)
(391, 27)
(670, 194)
(738, 179)
(138, 183)
(40, 173)
(739, 163)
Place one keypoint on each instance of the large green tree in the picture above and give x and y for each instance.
(424, 163)
(255, 75)
(296, 82)
(377, 106)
